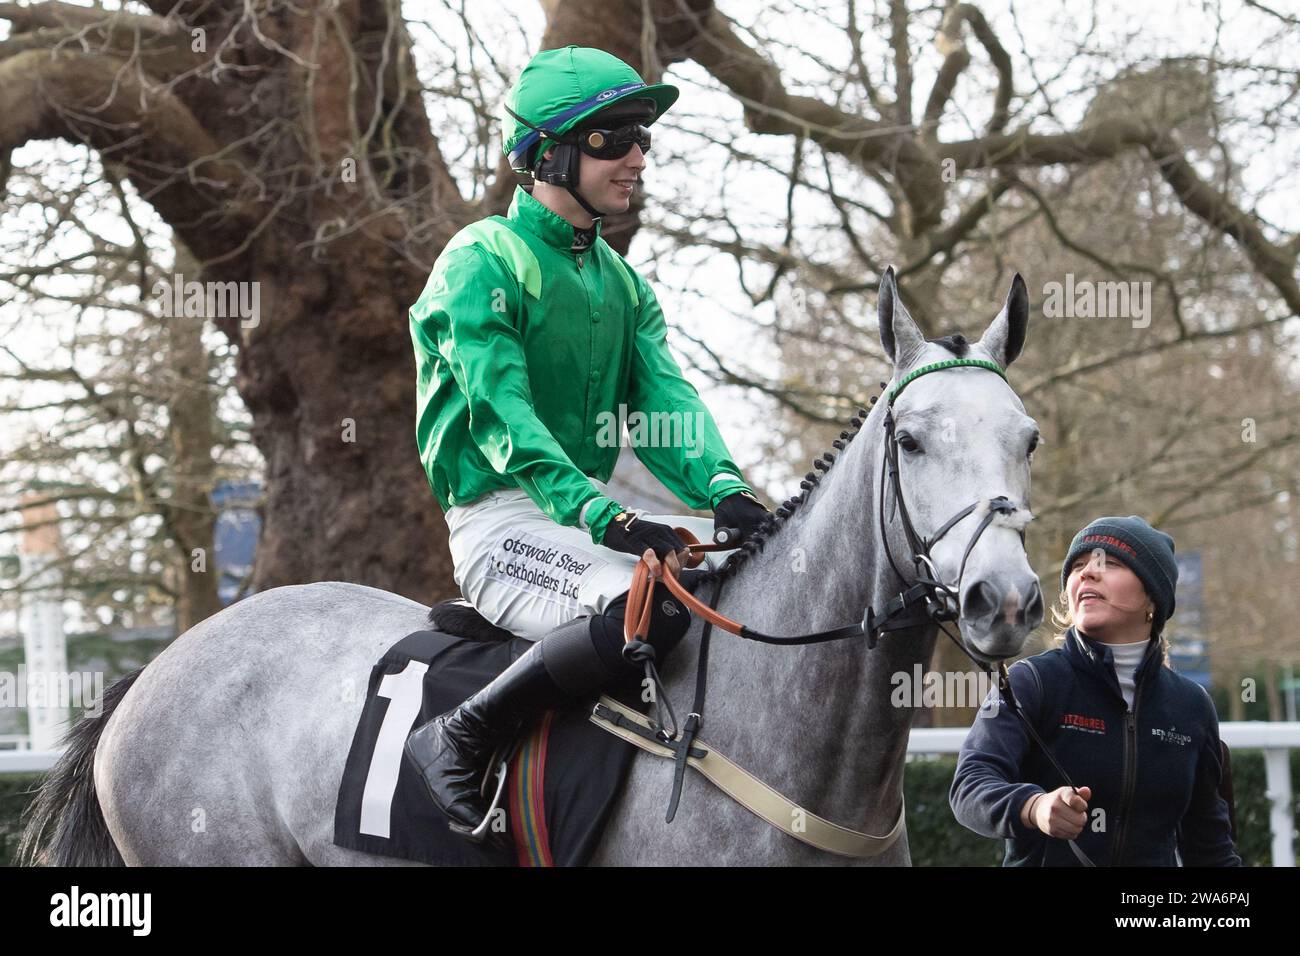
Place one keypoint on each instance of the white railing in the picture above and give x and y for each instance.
(27, 761)
(1276, 739)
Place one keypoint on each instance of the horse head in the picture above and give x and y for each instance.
(957, 435)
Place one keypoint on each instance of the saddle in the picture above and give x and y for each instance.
(560, 781)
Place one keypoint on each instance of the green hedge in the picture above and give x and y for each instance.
(15, 794)
(936, 839)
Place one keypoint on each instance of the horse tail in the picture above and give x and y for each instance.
(65, 824)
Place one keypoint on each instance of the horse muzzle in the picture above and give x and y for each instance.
(998, 613)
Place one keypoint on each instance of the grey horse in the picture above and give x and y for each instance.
(228, 748)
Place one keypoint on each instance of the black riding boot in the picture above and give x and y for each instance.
(451, 751)
(573, 661)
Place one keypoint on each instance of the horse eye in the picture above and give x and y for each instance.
(1033, 445)
(907, 442)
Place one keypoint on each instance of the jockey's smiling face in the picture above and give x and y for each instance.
(605, 183)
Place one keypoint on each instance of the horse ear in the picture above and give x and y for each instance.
(1005, 336)
(898, 332)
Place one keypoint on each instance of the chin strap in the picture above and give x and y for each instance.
(592, 211)
(562, 169)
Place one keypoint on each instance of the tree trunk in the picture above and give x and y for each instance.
(191, 407)
(1236, 706)
(329, 378)
(1272, 693)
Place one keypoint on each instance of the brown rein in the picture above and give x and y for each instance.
(636, 622)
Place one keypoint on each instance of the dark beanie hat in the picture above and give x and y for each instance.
(1146, 552)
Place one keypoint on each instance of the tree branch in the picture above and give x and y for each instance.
(956, 59)
(96, 100)
(769, 108)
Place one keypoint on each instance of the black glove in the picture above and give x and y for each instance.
(632, 535)
(740, 510)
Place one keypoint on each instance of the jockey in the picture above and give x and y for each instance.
(535, 342)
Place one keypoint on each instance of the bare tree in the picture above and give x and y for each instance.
(112, 411)
(294, 146)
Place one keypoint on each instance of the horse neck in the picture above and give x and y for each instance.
(816, 722)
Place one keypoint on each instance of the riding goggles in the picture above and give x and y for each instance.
(612, 143)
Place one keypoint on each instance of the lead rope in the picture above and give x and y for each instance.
(1004, 688)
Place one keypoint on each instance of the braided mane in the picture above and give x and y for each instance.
(777, 520)
(757, 541)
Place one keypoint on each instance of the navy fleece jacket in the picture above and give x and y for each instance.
(1154, 770)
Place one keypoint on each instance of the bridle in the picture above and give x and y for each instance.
(926, 600)
(932, 600)
(935, 590)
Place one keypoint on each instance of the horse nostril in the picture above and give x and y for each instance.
(1032, 613)
(980, 601)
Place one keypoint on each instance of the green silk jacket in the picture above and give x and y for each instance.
(529, 359)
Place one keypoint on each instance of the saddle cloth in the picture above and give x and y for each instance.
(562, 781)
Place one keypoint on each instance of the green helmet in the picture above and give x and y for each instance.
(559, 89)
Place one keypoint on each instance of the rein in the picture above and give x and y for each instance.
(927, 600)
(938, 601)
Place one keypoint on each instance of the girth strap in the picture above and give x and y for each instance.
(746, 789)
